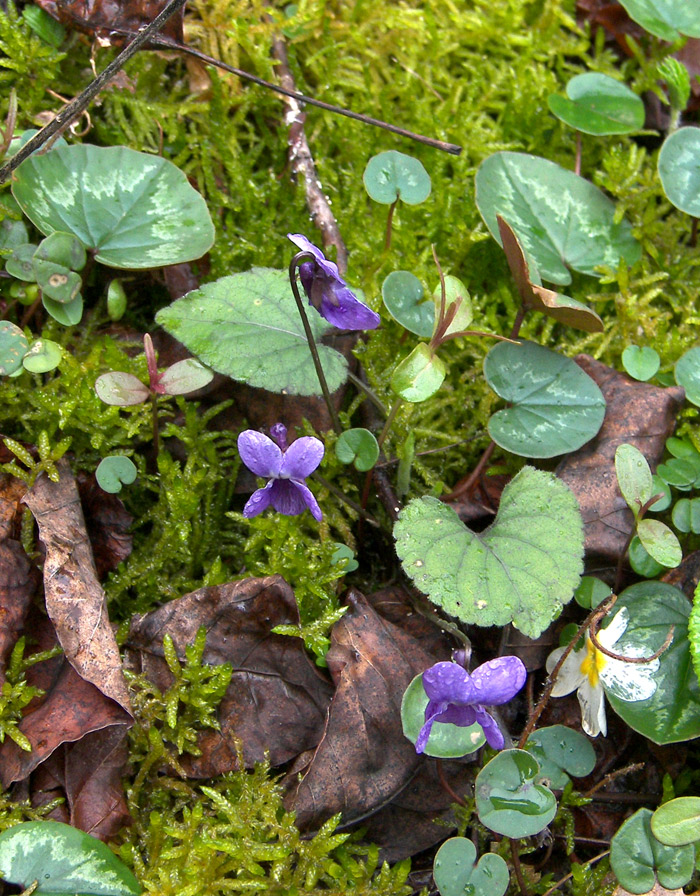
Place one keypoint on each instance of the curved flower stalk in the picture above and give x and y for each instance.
(329, 293)
(458, 697)
(286, 468)
(590, 673)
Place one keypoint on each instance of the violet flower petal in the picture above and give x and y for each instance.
(433, 711)
(286, 497)
(260, 500)
(498, 680)
(347, 312)
(494, 735)
(449, 682)
(301, 458)
(309, 499)
(259, 453)
(305, 245)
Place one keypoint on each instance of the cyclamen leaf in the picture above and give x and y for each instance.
(598, 104)
(247, 326)
(562, 220)
(509, 799)
(678, 169)
(521, 569)
(638, 858)
(667, 19)
(457, 872)
(64, 860)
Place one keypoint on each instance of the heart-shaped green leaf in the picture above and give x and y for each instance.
(599, 105)
(358, 447)
(115, 471)
(457, 873)
(184, 376)
(687, 369)
(404, 299)
(556, 407)
(679, 170)
(534, 296)
(660, 542)
(393, 175)
(677, 822)
(64, 861)
(633, 477)
(672, 714)
(560, 752)
(121, 389)
(637, 858)
(43, 355)
(509, 800)
(247, 326)
(667, 19)
(64, 249)
(561, 219)
(641, 362)
(68, 313)
(131, 209)
(13, 347)
(419, 376)
(446, 741)
(521, 569)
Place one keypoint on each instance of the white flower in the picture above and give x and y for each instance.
(591, 673)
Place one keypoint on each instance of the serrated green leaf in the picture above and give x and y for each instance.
(133, 210)
(247, 326)
(562, 220)
(521, 569)
(556, 407)
(677, 822)
(598, 104)
(672, 714)
(64, 860)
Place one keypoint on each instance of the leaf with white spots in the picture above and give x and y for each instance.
(133, 210)
(521, 569)
(247, 326)
(64, 861)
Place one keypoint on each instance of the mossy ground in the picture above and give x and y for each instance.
(477, 74)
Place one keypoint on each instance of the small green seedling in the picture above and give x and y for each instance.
(509, 799)
(641, 362)
(677, 79)
(457, 872)
(390, 176)
(358, 447)
(115, 471)
(405, 300)
(638, 859)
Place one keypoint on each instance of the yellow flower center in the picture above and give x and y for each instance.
(593, 663)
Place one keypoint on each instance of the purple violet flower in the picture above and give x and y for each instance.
(458, 697)
(285, 467)
(329, 293)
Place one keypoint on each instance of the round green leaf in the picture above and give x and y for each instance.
(677, 822)
(667, 19)
(599, 105)
(679, 170)
(393, 175)
(358, 447)
(64, 860)
(446, 741)
(131, 209)
(687, 368)
(455, 291)
(116, 300)
(56, 282)
(456, 872)
(672, 714)
(121, 389)
(591, 592)
(12, 233)
(521, 569)
(633, 476)
(405, 301)
(641, 362)
(43, 355)
(637, 858)
(419, 375)
(19, 264)
(660, 542)
(556, 407)
(247, 326)
(509, 800)
(68, 313)
(641, 562)
(344, 553)
(115, 471)
(13, 346)
(561, 219)
(680, 472)
(185, 376)
(560, 752)
(659, 487)
(64, 249)
(686, 515)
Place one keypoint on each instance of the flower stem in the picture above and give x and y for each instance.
(390, 218)
(396, 406)
(311, 341)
